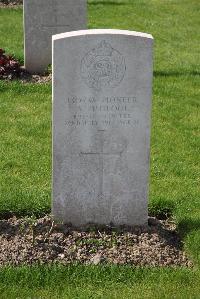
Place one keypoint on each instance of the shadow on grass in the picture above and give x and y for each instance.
(5, 215)
(161, 209)
(109, 3)
(175, 73)
(186, 226)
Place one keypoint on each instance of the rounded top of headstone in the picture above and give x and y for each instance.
(101, 31)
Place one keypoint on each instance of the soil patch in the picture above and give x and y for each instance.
(24, 77)
(28, 78)
(28, 241)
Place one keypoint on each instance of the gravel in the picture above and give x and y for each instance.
(29, 241)
(10, 3)
(28, 78)
(24, 77)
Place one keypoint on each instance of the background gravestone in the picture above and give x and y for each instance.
(102, 81)
(42, 19)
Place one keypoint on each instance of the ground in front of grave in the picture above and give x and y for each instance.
(29, 240)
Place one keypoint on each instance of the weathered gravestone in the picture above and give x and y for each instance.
(42, 19)
(102, 81)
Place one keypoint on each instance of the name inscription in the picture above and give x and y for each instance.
(107, 111)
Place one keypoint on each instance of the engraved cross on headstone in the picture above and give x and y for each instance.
(54, 18)
(101, 155)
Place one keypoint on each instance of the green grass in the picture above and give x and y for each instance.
(103, 282)
(25, 152)
(174, 25)
(11, 28)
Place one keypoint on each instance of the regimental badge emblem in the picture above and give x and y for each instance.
(103, 67)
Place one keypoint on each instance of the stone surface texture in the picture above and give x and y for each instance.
(42, 19)
(102, 85)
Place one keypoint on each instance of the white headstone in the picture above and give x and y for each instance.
(102, 85)
(42, 19)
